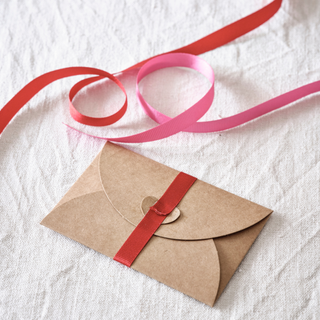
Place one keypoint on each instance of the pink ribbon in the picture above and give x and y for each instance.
(187, 120)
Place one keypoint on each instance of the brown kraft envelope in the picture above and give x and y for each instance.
(196, 254)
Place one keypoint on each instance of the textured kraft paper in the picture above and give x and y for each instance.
(196, 254)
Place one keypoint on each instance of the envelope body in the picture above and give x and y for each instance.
(196, 254)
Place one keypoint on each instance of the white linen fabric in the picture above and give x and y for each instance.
(273, 161)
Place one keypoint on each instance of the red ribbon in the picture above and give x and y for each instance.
(210, 42)
(153, 219)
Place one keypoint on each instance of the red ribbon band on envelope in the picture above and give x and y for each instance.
(153, 219)
(210, 42)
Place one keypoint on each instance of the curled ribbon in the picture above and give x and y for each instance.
(186, 121)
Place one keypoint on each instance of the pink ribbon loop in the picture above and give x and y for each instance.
(228, 122)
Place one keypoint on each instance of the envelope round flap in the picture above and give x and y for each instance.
(206, 211)
(191, 267)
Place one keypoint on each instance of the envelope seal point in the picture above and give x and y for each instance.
(158, 212)
(148, 202)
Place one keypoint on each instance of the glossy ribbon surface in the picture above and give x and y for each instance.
(187, 120)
